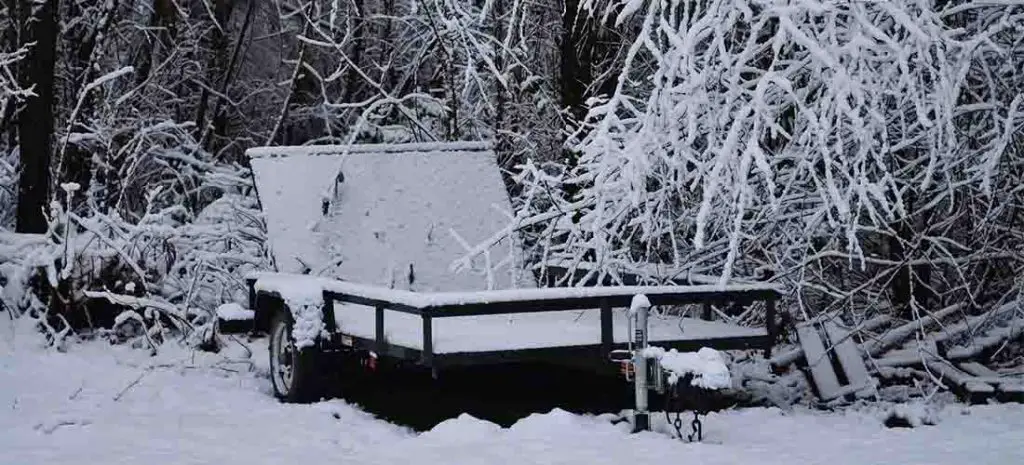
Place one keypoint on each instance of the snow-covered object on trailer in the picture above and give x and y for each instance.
(388, 215)
(706, 365)
(639, 301)
(233, 312)
(304, 296)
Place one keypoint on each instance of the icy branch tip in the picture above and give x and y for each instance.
(70, 186)
(639, 301)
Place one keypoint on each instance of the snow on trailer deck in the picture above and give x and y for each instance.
(380, 226)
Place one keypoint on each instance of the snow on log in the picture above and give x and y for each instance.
(900, 334)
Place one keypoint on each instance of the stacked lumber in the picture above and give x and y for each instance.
(846, 362)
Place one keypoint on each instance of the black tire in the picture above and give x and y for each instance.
(297, 375)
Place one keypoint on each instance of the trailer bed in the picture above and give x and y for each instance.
(477, 327)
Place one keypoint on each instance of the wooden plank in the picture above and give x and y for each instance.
(981, 371)
(1007, 389)
(849, 357)
(969, 388)
(585, 356)
(1010, 393)
(822, 373)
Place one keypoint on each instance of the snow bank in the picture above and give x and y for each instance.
(706, 365)
(464, 428)
(111, 405)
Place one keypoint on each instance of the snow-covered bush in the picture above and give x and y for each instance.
(168, 270)
(8, 189)
(866, 153)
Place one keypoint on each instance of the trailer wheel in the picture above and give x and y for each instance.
(295, 373)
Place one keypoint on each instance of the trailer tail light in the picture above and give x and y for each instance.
(627, 370)
(371, 362)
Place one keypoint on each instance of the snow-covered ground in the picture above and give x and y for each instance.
(101, 405)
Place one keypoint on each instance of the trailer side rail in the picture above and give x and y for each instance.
(431, 306)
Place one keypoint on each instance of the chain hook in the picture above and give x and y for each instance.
(698, 431)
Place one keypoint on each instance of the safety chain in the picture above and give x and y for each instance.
(677, 423)
(696, 427)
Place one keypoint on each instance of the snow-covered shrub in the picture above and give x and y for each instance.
(8, 189)
(182, 266)
(168, 269)
(862, 152)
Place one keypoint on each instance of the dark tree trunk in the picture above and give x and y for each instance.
(10, 41)
(352, 81)
(577, 47)
(35, 123)
(162, 22)
(76, 160)
(911, 282)
(216, 70)
(576, 56)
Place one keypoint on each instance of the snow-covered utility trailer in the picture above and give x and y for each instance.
(364, 238)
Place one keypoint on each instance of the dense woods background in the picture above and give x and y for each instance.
(865, 154)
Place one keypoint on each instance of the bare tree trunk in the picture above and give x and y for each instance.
(576, 56)
(216, 69)
(75, 160)
(162, 21)
(35, 123)
(356, 52)
(9, 41)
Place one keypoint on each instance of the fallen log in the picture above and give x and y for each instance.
(900, 334)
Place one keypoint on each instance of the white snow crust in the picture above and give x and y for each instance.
(98, 404)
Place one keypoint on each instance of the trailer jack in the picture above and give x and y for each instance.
(633, 362)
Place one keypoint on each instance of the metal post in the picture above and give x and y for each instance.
(607, 336)
(641, 417)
